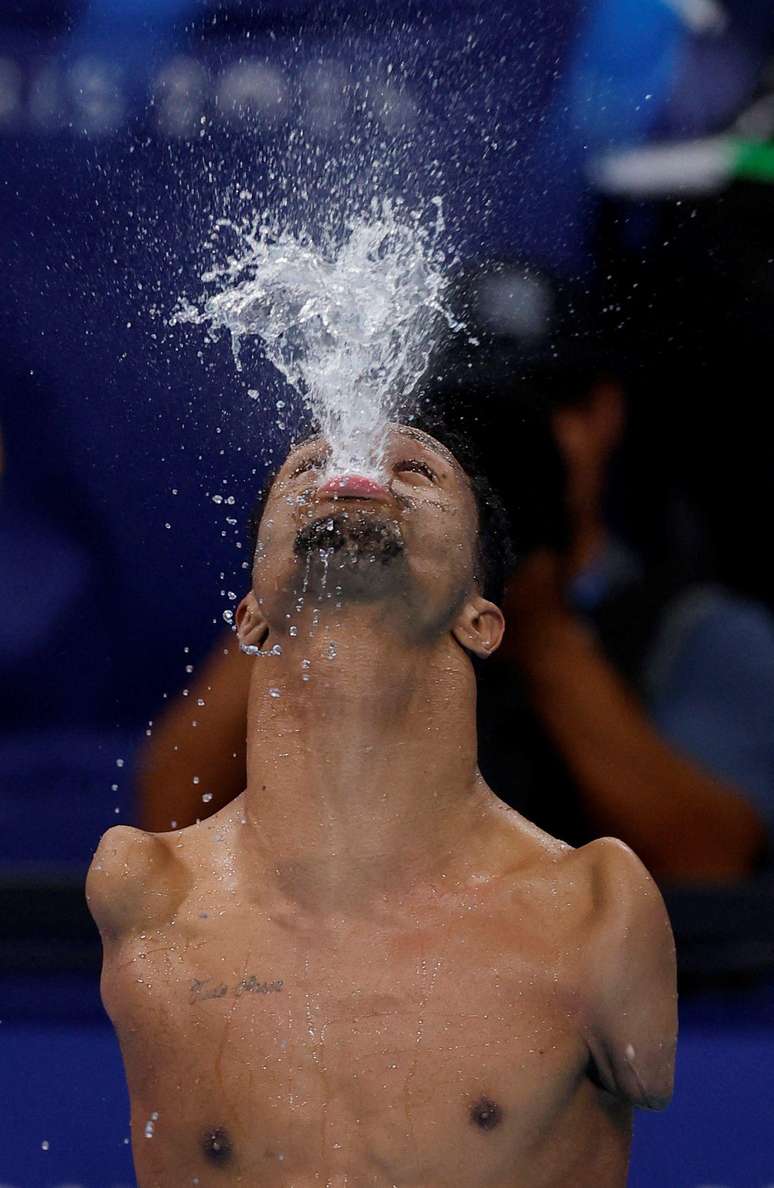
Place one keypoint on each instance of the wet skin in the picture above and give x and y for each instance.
(444, 1043)
(367, 970)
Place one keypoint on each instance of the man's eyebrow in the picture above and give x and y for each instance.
(436, 446)
(300, 446)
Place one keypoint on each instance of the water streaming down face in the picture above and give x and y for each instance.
(349, 321)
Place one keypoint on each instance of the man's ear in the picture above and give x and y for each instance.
(479, 627)
(251, 625)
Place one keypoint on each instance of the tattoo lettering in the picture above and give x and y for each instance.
(251, 985)
(203, 988)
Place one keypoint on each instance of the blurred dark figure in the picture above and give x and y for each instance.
(625, 701)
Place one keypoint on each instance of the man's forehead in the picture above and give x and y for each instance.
(411, 431)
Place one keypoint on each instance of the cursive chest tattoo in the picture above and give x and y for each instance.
(203, 988)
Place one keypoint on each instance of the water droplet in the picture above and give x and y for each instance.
(200, 701)
(275, 693)
(217, 499)
(228, 616)
(331, 652)
(189, 668)
(196, 780)
(44, 1146)
(207, 797)
(119, 763)
(293, 630)
(306, 663)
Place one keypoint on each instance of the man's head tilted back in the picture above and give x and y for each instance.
(427, 548)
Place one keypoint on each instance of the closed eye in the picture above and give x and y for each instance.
(415, 465)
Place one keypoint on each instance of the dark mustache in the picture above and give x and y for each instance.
(333, 533)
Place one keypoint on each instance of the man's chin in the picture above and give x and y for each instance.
(351, 554)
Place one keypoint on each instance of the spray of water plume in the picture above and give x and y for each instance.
(350, 321)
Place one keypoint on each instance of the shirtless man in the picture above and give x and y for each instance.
(367, 970)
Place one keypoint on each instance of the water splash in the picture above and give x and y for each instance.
(350, 321)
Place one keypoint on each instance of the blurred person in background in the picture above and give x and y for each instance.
(644, 703)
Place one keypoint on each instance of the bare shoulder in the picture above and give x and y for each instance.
(625, 896)
(134, 881)
(626, 912)
(630, 975)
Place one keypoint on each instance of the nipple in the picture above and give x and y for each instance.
(485, 1114)
(216, 1146)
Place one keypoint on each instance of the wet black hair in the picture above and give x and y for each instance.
(504, 438)
(495, 556)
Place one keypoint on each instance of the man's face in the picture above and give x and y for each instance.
(413, 541)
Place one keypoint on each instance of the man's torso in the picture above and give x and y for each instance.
(438, 1043)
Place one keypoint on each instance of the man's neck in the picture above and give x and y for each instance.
(362, 761)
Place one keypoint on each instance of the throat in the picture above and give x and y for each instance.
(352, 716)
(376, 755)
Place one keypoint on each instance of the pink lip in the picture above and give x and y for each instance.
(354, 486)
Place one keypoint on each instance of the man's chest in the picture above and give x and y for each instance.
(416, 1046)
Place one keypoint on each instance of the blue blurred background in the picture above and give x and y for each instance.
(548, 129)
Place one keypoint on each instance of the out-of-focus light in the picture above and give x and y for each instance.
(396, 109)
(96, 94)
(47, 107)
(757, 122)
(701, 16)
(253, 87)
(514, 304)
(10, 91)
(180, 96)
(691, 168)
(323, 89)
